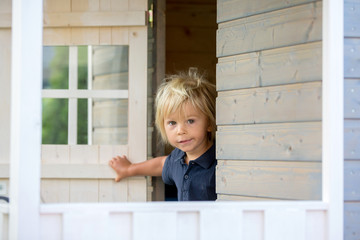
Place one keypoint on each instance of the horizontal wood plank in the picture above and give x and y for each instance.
(352, 180)
(300, 63)
(351, 139)
(91, 19)
(351, 220)
(281, 141)
(295, 25)
(57, 93)
(228, 197)
(287, 103)
(283, 180)
(351, 58)
(351, 18)
(352, 99)
(232, 9)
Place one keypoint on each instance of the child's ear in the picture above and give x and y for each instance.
(209, 129)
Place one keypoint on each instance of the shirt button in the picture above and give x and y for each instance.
(186, 176)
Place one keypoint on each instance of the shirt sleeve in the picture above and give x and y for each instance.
(166, 173)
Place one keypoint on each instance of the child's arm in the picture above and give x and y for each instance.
(124, 168)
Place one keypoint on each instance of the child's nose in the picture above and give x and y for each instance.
(181, 129)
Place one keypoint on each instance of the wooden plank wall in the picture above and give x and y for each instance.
(190, 36)
(269, 100)
(352, 119)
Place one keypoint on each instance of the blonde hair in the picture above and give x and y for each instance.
(176, 90)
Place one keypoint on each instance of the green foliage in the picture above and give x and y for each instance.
(55, 111)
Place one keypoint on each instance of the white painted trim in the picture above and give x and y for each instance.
(82, 93)
(25, 144)
(333, 115)
(90, 101)
(72, 104)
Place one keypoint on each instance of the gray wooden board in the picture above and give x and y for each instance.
(352, 139)
(352, 99)
(352, 58)
(280, 141)
(275, 179)
(352, 180)
(352, 220)
(232, 9)
(296, 25)
(286, 103)
(230, 197)
(351, 18)
(294, 64)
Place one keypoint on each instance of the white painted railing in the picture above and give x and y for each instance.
(182, 220)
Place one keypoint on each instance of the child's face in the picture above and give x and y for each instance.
(188, 131)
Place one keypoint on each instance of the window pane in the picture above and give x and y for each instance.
(82, 124)
(110, 121)
(82, 67)
(110, 67)
(54, 121)
(55, 67)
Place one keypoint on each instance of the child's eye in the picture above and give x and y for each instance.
(171, 123)
(191, 121)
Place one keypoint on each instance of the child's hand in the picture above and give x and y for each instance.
(121, 166)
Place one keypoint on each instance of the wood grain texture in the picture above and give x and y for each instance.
(300, 63)
(233, 9)
(351, 139)
(352, 99)
(280, 28)
(351, 18)
(287, 141)
(288, 103)
(352, 180)
(275, 179)
(351, 57)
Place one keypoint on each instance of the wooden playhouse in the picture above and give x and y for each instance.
(288, 137)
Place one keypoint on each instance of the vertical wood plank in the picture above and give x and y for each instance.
(315, 225)
(57, 36)
(85, 5)
(284, 224)
(5, 82)
(57, 6)
(253, 225)
(137, 96)
(105, 36)
(85, 225)
(25, 145)
(119, 35)
(188, 226)
(85, 36)
(84, 190)
(154, 225)
(333, 117)
(120, 225)
(51, 227)
(229, 221)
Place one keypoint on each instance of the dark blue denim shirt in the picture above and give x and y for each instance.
(194, 182)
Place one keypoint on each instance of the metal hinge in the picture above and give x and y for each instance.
(151, 15)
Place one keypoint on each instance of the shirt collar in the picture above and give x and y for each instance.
(205, 160)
